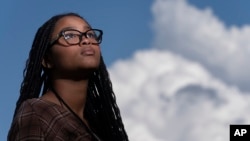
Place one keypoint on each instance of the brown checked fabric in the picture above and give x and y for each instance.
(40, 120)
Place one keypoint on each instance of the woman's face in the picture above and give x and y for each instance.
(65, 58)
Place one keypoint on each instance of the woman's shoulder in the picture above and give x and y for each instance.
(39, 102)
(41, 107)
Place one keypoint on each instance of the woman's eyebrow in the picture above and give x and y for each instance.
(69, 27)
(72, 27)
(86, 27)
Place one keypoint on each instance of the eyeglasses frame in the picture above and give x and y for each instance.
(61, 34)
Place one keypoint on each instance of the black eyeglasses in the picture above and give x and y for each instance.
(73, 37)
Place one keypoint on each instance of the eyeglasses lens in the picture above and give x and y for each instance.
(74, 37)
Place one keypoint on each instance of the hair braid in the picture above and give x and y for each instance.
(32, 83)
(102, 99)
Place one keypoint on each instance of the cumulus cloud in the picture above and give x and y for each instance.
(188, 86)
(163, 96)
(200, 36)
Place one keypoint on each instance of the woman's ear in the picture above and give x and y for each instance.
(46, 62)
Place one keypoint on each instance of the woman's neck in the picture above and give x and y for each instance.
(73, 93)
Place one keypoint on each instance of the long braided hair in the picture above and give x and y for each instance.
(101, 109)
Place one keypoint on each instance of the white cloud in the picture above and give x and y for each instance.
(179, 90)
(199, 35)
(163, 96)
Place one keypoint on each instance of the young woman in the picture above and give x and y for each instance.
(66, 93)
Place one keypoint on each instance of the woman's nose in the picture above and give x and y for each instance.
(85, 41)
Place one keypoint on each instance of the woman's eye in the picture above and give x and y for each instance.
(70, 36)
(91, 35)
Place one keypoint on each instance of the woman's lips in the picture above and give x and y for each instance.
(88, 51)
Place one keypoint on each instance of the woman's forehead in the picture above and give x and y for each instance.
(71, 22)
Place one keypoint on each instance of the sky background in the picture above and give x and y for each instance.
(180, 68)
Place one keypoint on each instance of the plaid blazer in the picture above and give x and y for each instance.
(41, 120)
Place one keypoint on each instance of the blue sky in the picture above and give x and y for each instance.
(127, 27)
(231, 12)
